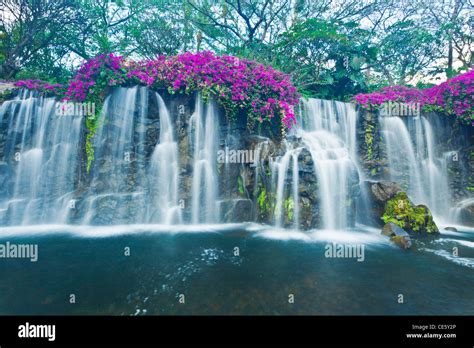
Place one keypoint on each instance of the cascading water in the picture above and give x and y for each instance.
(155, 188)
(42, 146)
(455, 213)
(116, 122)
(280, 169)
(327, 129)
(334, 117)
(414, 160)
(138, 165)
(203, 137)
(164, 171)
(45, 150)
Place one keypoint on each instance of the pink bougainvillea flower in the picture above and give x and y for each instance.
(453, 97)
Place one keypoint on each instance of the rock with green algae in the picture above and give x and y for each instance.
(415, 219)
(7, 91)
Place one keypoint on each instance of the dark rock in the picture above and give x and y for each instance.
(397, 235)
(403, 242)
(466, 214)
(373, 199)
(390, 229)
(6, 176)
(236, 210)
(454, 229)
(384, 190)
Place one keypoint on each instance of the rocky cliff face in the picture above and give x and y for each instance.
(430, 157)
(258, 175)
(120, 187)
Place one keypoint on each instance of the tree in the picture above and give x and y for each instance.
(28, 28)
(326, 58)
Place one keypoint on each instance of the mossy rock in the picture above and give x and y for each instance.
(7, 94)
(415, 219)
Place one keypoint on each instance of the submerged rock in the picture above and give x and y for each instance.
(403, 242)
(397, 235)
(454, 229)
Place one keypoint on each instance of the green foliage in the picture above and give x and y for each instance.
(400, 211)
(289, 205)
(262, 201)
(5, 95)
(92, 124)
(325, 57)
(240, 185)
(369, 140)
(329, 53)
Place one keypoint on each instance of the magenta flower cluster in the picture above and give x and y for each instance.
(39, 85)
(232, 82)
(89, 79)
(453, 97)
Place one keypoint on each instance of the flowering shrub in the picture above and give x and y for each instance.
(233, 83)
(41, 86)
(94, 76)
(453, 97)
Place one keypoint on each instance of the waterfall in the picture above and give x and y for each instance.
(335, 117)
(164, 172)
(42, 146)
(261, 146)
(281, 168)
(116, 158)
(155, 187)
(455, 213)
(127, 183)
(328, 131)
(204, 139)
(145, 171)
(415, 161)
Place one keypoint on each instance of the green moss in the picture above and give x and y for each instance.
(240, 185)
(369, 141)
(262, 201)
(289, 208)
(403, 213)
(6, 95)
(92, 124)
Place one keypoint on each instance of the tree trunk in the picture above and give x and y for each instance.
(8, 71)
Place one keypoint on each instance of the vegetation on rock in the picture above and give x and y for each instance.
(236, 84)
(453, 97)
(400, 211)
